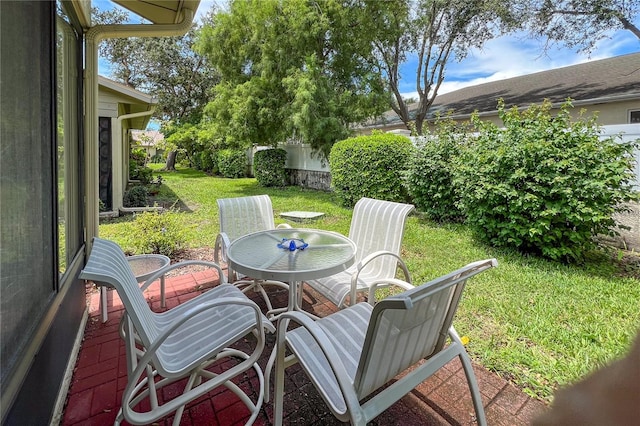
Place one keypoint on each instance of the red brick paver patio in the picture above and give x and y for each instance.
(99, 378)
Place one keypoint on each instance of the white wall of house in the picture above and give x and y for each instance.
(118, 108)
(108, 107)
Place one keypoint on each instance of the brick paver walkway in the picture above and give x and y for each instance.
(100, 377)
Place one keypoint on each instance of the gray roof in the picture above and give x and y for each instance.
(604, 80)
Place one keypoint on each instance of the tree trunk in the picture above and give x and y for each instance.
(171, 161)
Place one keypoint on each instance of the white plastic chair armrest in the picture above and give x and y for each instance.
(368, 259)
(386, 283)
(283, 226)
(171, 267)
(221, 246)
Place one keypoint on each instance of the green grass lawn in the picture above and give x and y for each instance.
(538, 323)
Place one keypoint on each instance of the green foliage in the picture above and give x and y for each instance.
(290, 69)
(137, 168)
(544, 184)
(433, 32)
(232, 163)
(136, 196)
(432, 169)
(268, 167)
(578, 24)
(370, 166)
(159, 232)
(207, 161)
(166, 67)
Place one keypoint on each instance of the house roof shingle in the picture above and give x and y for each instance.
(600, 81)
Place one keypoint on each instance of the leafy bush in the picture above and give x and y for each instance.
(232, 163)
(137, 169)
(544, 184)
(370, 166)
(136, 196)
(431, 172)
(208, 161)
(159, 232)
(268, 167)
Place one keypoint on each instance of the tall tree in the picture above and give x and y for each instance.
(577, 23)
(166, 67)
(433, 31)
(290, 69)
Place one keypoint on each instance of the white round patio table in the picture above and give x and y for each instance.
(291, 255)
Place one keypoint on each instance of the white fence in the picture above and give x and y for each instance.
(301, 156)
(627, 132)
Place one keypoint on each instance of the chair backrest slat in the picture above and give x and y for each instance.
(378, 225)
(243, 215)
(108, 264)
(410, 326)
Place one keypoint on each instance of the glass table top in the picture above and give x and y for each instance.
(271, 255)
(144, 265)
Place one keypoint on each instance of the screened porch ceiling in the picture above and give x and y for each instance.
(159, 11)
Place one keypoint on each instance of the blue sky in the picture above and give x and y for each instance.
(500, 58)
(515, 55)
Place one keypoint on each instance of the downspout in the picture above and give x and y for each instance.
(134, 209)
(92, 39)
(123, 158)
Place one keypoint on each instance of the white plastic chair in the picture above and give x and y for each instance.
(352, 353)
(183, 342)
(240, 216)
(376, 228)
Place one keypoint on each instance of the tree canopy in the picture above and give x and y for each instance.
(166, 67)
(578, 24)
(294, 69)
(434, 31)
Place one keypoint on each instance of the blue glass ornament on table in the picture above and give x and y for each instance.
(293, 244)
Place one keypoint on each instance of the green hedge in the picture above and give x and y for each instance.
(232, 163)
(432, 171)
(159, 232)
(370, 166)
(268, 167)
(136, 196)
(544, 184)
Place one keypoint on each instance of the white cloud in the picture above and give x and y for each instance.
(516, 55)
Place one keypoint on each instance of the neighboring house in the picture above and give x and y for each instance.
(49, 185)
(610, 87)
(120, 110)
(150, 141)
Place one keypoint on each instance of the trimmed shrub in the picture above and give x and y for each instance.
(232, 163)
(136, 196)
(370, 166)
(159, 232)
(209, 161)
(206, 160)
(431, 172)
(268, 167)
(544, 184)
(137, 169)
